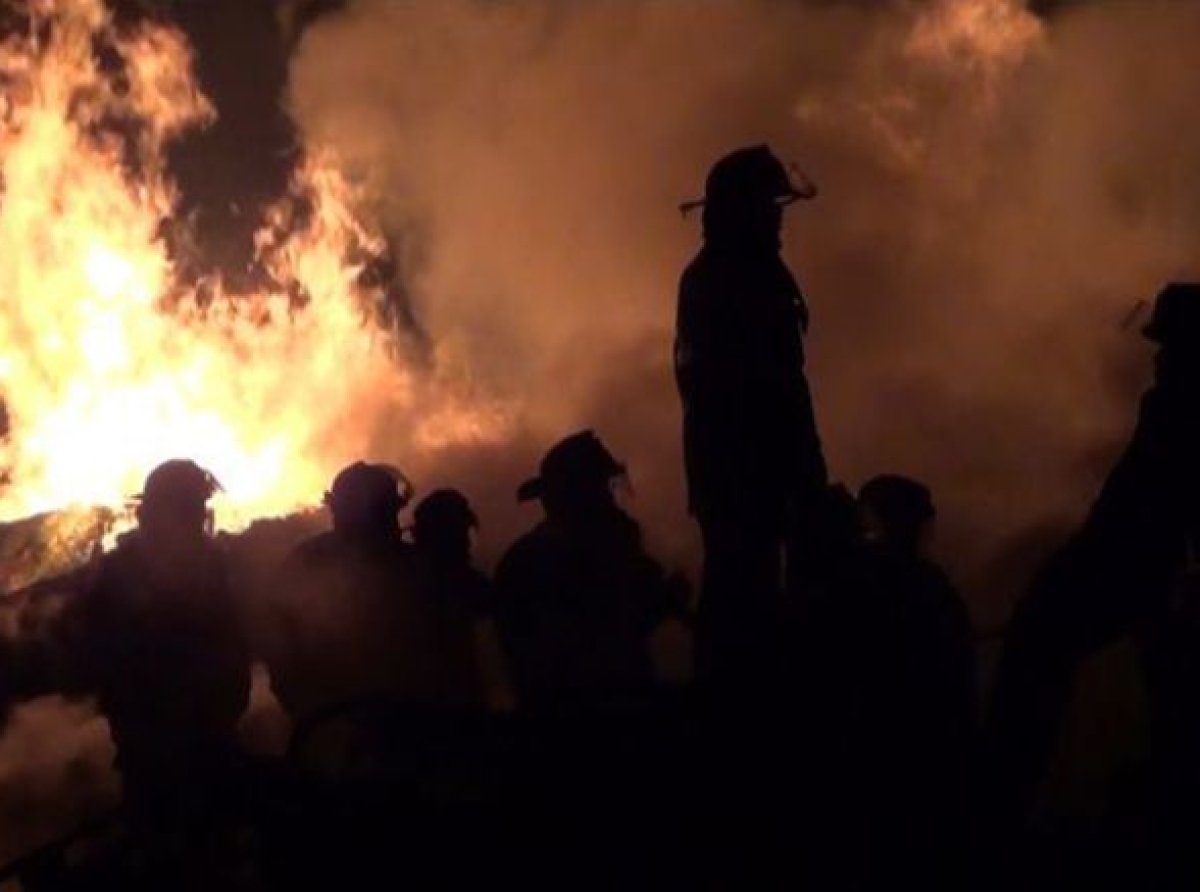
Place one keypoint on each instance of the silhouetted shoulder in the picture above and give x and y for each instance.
(127, 569)
(317, 549)
(527, 551)
(940, 590)
(694, 274)
(331, 548)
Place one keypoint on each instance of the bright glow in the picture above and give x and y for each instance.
(109, 362)
(988, 36)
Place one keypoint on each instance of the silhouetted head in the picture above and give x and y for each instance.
(442, 524)
(1175, 320)
(365, 499)
(897, 510)
(174, 500)
(575, 478)
(744, 197)
(1175, 326)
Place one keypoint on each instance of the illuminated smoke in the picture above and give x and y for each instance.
(55, 772)
(997, 191)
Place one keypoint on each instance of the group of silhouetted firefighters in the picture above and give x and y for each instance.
(835, 665)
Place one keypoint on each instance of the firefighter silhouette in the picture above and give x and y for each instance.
(1119, 574)
(756, 473)
(161, 643)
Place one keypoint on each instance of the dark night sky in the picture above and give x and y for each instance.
(229, 170)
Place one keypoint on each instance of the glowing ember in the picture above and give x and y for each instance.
(109, 363)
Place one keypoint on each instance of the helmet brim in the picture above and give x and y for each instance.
(531, 490)
(783, 200)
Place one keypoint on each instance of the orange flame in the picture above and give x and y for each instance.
(109, 362)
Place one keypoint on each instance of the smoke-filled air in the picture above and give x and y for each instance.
(997, 194)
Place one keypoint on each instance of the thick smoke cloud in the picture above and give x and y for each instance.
(55, 772)
(998, 190)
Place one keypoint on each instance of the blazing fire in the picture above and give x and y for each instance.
(110, 361)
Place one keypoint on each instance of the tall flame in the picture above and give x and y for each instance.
(109, 361)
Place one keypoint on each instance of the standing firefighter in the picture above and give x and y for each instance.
(160, 643)
(442, 533)
(357, 619)
(443, 523)
(755, 468)
(578, 597)
(1119, 573)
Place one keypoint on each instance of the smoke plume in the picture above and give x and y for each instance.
(998, 189)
